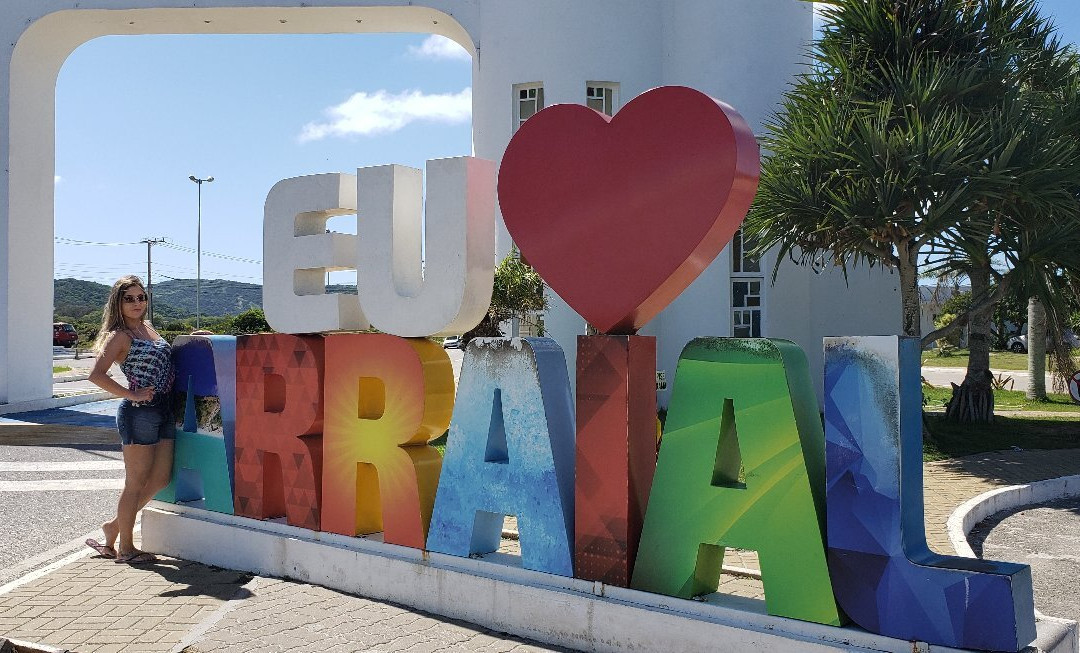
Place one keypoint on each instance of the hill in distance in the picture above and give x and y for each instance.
(173, 299)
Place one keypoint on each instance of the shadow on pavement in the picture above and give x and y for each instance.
(196, 579)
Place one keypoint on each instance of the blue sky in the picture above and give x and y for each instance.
(136, 115)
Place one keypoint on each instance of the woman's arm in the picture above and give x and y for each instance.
(115, 349)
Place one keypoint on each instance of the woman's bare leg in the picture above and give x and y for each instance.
(159, 475)
(138, 461)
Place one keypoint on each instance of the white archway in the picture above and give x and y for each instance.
(41, 35)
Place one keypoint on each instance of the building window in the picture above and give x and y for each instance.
(740, 261)
(746, 287)
(746, 308)
(602, 96)
(528, 99)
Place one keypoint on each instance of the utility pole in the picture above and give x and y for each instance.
(198, 249)
(150, 242)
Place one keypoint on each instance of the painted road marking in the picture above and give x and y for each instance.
(50, 485)
(73, 466)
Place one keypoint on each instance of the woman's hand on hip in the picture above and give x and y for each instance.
(142, 394)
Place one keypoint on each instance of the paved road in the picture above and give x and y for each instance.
(63, 383)
(57, 484)
(1045, 537)
(942, 376)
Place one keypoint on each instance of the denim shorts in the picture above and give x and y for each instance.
(147, 423)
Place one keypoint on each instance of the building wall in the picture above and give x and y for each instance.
(561, 44)
(805, 307)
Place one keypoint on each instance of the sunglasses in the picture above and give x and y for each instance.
(131, 299)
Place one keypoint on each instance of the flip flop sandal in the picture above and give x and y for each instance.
(102, 550)
(140, 558)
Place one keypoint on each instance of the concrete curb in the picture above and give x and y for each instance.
(19, 646)
(496, 593)
(54, 402)
(69, 378)
(973, 511)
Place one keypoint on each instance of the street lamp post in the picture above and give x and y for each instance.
(198, 249)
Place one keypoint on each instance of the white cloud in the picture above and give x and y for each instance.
(57, 179)
(439, 47)
(368, 114)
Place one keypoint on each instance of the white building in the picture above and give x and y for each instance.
(526, 53)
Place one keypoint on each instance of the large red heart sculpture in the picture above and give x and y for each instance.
(619, 215)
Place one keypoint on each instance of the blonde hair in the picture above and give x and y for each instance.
(112, 317)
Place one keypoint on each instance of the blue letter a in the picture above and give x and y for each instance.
(510, 452)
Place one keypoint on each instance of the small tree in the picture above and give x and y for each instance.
(252, 320)
(518, 292)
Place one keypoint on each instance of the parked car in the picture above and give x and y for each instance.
(64, 335)
(1019, 342)
(453, 342)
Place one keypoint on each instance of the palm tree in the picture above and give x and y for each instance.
(923, 125)
(1036, 350)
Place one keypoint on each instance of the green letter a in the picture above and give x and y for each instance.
(698, 505)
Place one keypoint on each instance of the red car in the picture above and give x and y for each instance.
(64, 335)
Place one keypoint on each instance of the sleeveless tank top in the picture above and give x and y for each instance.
(149, 363)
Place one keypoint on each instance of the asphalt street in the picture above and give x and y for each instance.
(941, 377)
(59, 485)
(1047, 538)
(51, 496)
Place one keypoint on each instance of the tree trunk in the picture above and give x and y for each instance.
(1036, 342)
(908, 253)
(973, 400)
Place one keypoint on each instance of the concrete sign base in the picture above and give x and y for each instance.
(495, 592)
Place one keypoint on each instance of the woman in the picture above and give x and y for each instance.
(144, 419)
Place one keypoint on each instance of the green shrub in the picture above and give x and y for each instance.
(953, 339)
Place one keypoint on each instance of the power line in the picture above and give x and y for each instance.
(63, 240)
(72, 241)
(228, 257)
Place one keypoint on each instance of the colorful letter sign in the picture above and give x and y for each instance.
(279, 419)
(647, 198)
(446, 291)
(510, 452)
(740, 403)
(298, 252)
(886, 578)
(386, 398)
(204, 448)
(616, 453)
(619, 215)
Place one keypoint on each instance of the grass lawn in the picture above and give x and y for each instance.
(945, 439)
(936, 398)
(59, 369)
(999, 360)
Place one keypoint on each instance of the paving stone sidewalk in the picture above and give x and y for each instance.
(93, 605)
